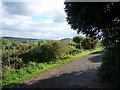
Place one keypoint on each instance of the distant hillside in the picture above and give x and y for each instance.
(65, 40)
(23, 40)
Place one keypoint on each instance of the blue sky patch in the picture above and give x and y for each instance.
(40, 18)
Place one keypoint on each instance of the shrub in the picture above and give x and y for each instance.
(31, 55)
(41, 43)
(78, 39)
(5, 55)
(14, 43)
(90, 43)
(60, 50)
(5, 71)
(5, 42)
(21, 72)
(73, 50)
(86, 43)
(109, 69)
(95, 43)
(18, 62)
(40, 65)
(54, 50)
(71, 43)
(31, 63)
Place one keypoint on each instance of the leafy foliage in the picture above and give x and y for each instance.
(5, 42)
(110, 68)
(86, 43)
(20, 59)
(103, 17)
(71, 43)
(103, 22)
(43, 52)
(34, 69)
(90, 43)
(78, 39)
(52, 50)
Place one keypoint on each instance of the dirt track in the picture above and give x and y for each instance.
(81, 73)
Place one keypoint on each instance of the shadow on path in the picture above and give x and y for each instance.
(78, 79)
(96, 58)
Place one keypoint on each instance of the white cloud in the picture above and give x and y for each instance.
(39, 7)
(17, 20)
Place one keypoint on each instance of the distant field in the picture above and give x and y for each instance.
(22, 40)
(25, 40)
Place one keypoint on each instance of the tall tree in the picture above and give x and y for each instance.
(99, 20)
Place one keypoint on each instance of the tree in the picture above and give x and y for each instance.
(78, 40)
(5, 42)
(94, 19)
(86, 43)
(89, 43)
(99, 20)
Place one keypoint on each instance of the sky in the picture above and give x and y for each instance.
(40, 19)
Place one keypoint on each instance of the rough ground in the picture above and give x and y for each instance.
(81, 73)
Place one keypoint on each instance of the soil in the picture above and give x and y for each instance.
(81, 73)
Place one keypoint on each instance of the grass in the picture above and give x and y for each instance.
(28, 72)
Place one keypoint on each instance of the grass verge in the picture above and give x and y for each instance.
(28, 72)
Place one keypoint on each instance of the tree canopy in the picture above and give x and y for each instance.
(78, 39)
(99, 20)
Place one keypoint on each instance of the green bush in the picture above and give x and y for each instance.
(5, 55)
(16, 62)
(110, 68)
(41, 43)
(77, 39)
(86, 44)
(21, 72)
(31, 63)
(40, 65)
(31, 55)
(54, 50)
(5, 42)
(89, 43)
(95, 43)
(5, 71)
(46, 51)
(60, 50)
(73, 50)
(71, 43)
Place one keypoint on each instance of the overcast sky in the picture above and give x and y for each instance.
(41, 20)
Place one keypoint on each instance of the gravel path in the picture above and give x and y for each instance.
(81, 73)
